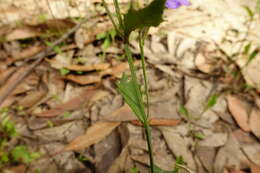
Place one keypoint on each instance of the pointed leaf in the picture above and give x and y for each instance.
(146, 17)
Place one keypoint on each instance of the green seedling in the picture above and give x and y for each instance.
(64, 71)
(21, 154)
(66, 114)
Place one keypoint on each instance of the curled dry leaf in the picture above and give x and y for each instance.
(28, 52)
(214, 140)
(254, 168)
(22, 33)
(253, 152)
(88, 67)
(230, 155)
(70, 105)
(178, 145)
(203, 64)
(239, 110)
(95, 77)
(122, 163)
(84, 79)
(94, 134)
(254, 122)
(32, 98)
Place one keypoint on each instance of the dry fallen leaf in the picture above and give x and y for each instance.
(230, 155)
(70, 105)
(236, 171)
(254, 122)
(22, 33)
(252, 151)
(94, 134)
(84, 79)
(122, 163)
(28, 52)
(254, 168)
(32, 98)
(238, 109)
(178, 145)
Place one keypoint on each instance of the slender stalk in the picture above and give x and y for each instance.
(111, 18)
(143, 117)
(118, 14)
(141, 45)
(149, 144)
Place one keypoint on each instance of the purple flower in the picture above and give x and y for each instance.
(176, 3)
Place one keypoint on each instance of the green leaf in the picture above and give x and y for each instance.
(127, 88)
(212, 101)
(184, 111)
(159, 170)
(106, 43)
(101, 35)
(66, 115)
(199, 135)
(112, 33)
(257, 8)
(134, 170)
(247, 48)
(146, 17)
(249, 12)
(21, 153)
(64, 71)
(252, 56)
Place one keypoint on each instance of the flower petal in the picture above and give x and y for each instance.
(173, 4)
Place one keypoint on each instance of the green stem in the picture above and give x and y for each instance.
(141, 45)
(111, 17)
(149, 144)
(118, 14)
(144, 118)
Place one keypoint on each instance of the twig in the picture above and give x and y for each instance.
(38, 58)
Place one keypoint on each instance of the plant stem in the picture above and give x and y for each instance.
(111, 18)
(149, 144)
(118, 14)
(143, 117)
(141, 45)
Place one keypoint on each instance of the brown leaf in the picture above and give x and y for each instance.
(5, 74)
(70, 105)
(254, 122)
(28, 52)
(123, 113)
(254, 168)
(122, 162)
(236, 171)
(32, 98)
(16, 169)
(238, 109)
(84, 79)
(88, 67)
(22, 33)
(94, 134)
(178, 145)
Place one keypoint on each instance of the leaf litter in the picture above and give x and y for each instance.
(219, 132)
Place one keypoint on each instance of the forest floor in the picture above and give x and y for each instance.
(60, 110)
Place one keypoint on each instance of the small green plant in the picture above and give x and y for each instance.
(129, 86)
(18, 154)
(108, 38)
(64, 71)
